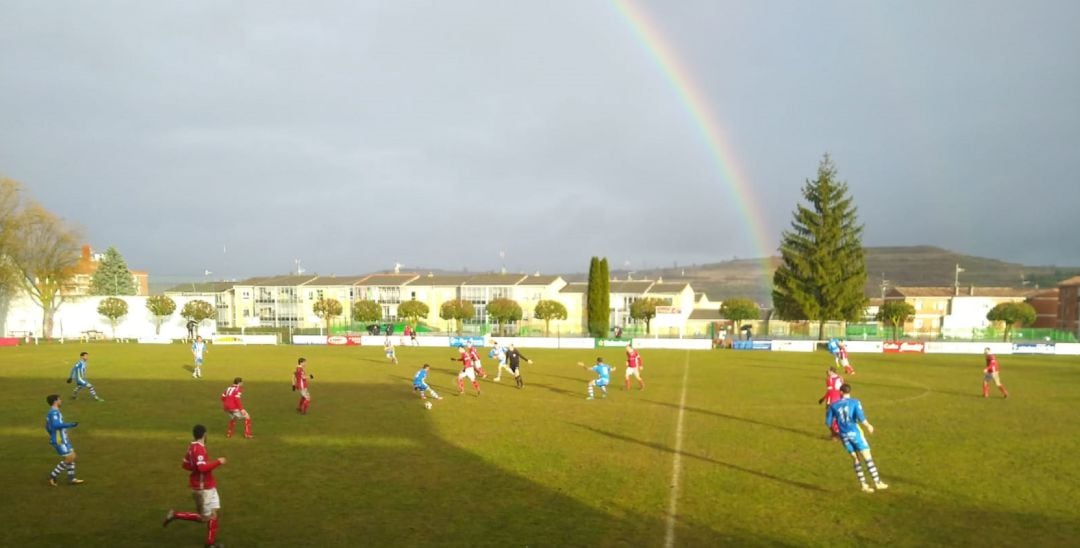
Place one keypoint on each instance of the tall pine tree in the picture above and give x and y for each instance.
(112, 276)
(823, 271)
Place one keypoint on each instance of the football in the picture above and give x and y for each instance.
(427, 405)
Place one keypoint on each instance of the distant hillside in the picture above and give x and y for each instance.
(910, 266)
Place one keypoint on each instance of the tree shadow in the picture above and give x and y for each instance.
(557, 390)
(664, 448)
(364, 467)
(743, 419)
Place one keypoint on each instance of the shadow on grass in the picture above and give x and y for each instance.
(742, 419)
(558, 390)
(659, 447)
(912, 520)
(367, 466)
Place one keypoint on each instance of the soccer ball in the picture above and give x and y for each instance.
(427, 405)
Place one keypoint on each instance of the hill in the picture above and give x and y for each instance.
(897, 266)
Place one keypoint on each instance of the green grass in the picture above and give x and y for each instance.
(543, 466)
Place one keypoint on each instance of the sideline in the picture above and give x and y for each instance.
(676, 461)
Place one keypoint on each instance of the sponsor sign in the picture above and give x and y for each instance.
(600, 343)
(344, 340)
(1036, 348)
(9, 341)
(752, 345)
(904, 347)
(462, 341)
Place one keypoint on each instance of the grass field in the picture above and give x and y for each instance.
(542, 466)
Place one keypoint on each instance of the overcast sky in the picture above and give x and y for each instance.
(240, 136)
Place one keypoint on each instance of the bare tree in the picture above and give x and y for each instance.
(45, 259)
(11, 204)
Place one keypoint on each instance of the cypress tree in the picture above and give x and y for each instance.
(591, 296)
(823, 270)
(603, 308)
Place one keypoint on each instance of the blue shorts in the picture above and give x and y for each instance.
(419, 387)
(198, 361)
(602, 382)
(83, 383)
(63, 449)
(854, 441)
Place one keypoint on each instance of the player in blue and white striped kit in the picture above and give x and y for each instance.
(420, 384)
(603, 377)
(849, 415)
(57, 429)
(498, 353)
(78, 374)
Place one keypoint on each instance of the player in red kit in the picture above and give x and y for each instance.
(234, 408)
(842, 357)
(992, 374)
(634, 367)
(300, 384)
(475, 357)
(203, 486)
(467, 371)
(833, 382)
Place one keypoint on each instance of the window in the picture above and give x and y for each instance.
(389, 294)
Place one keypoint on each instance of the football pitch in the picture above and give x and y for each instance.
(721, 448)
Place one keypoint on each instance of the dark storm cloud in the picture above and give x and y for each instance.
(240, 137)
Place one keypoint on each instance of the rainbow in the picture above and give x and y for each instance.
(694, 100)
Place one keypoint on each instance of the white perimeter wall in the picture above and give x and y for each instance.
(76, 316)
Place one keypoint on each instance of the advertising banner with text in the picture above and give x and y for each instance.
(344, 340)
(904, 347)
(1035, 348)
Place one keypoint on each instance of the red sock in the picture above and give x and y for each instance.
(476, 385)
(628, 384)
(187, 516)
(641, 384)
(461, 385)
(247, 427)
(211, 531)
(300, 406)
(307, 402)
(986, 390)
(1003, 391)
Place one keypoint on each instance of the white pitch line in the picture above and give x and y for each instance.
(676, 461)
